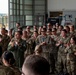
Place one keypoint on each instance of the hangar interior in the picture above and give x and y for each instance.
(38, 12)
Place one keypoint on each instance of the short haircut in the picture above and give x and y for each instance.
(18, 23)
(37, 64)
(20, 32)
(68, 27)
(43, 29)
(64, 30)
(61, 26)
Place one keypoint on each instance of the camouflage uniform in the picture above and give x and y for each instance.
(18, 51)
(47, 50)
(6, 71)
(55, 37)
(68, 34)
(4, 43)
(71, 59)
(28, 49)
(73, 33)
(61, 60)
(31, 45)
(16, 70)
(55, 49)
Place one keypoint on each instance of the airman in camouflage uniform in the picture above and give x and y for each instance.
(5, 40)
(32, 42)
(67, 28)
(47, 46)
(26, 38)
(61, 61)
(55, 37)
(25, 35)
(8, 62)
(4, 70)
(18, 47)
(72, 31)
(29, 31)
(15, 28)
(49, 32)
(59, 30)
(71, 57)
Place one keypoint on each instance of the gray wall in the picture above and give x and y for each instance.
(68, 7)
(72, 13)
(59, 5)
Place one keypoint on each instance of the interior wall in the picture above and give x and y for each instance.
(60, 5)
(68, 7)
(73, 16)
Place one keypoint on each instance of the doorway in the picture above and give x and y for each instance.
(56, 14)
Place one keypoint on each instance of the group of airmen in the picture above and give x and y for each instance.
(57, 44)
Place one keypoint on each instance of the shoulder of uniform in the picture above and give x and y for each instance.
(6, 70)
(16, 70)
(39, 36)
(2, 70)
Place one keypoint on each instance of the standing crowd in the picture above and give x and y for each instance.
(54, 46)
